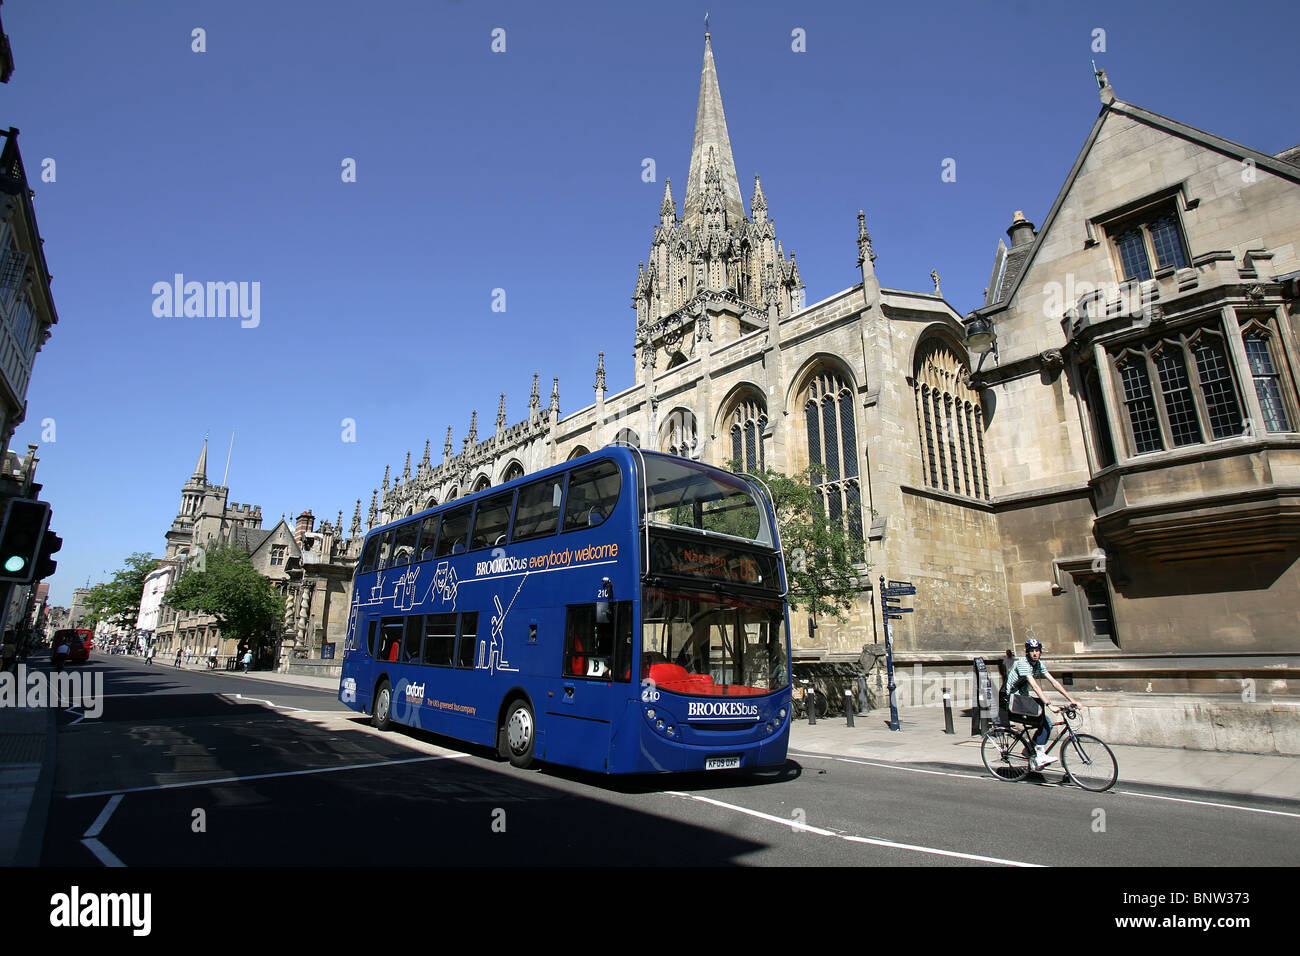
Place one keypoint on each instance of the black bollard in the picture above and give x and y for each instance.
(848, 706)
(947, 712)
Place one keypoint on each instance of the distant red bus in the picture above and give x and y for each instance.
(79, 641)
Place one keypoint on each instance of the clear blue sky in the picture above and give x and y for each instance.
(519, 170)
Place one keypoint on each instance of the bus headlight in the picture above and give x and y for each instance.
(659, 725)
(670, 730)
(781, 713)
(650, 713)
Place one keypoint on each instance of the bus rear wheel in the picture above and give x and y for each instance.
(518, 734)
(381, 716)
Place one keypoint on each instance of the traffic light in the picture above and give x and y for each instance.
(21, 539)
(50, 544)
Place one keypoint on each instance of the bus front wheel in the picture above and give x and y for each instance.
(518, 733)
(380, 718)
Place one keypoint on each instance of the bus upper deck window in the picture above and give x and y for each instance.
(428, 537)
(538, 512)
(454, 532)
(593, 493)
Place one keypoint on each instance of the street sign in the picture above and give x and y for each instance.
(891, 601)
(900, 584)
(893, 615)
(898, 592)
(892, 611)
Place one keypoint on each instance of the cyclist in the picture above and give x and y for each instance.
(1021, 679)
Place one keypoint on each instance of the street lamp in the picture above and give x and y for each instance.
(980, 336)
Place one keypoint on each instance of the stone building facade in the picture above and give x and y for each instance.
(1144, 427)
(1118, 481)
(310, 566)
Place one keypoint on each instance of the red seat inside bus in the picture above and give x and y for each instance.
(675, 678)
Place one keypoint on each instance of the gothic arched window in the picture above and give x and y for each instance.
(679, 434)
(627, 437)
(950, 423)
(482, 484)
(833, 447)
(513, 470)
(578, 452)
(748, 420)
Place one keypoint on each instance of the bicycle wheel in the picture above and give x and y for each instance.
(1006, 753)
(1089, 762)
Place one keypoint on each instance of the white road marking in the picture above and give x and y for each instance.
(259, 700)
(805, 828)
(265, 776)
(982, 776)
(893, 766)
(102, 820)
(1207, 803)
(102, 853)
(90, 840)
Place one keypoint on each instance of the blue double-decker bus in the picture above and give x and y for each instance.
(622, 613)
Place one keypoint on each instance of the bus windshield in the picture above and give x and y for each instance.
(705, 643)
(685, 494)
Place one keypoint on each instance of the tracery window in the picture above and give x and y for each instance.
(833, 445)
(679, 433)
(748, 420)
(515, 470)
(950, 423)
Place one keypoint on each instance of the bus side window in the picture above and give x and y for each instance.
(404, 543)
(370, 639)
(538, 513)
(468, 639)
(390, 639)
(411, 645)
(368, 556)
(455, 530)
(598, 651)
(439, 639)
(593, 493)
(428, 538)
(385, 548)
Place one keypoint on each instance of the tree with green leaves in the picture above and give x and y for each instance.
(823, 564)
(117, 602)
(245, 604)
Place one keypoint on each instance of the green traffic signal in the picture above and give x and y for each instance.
(25, 524)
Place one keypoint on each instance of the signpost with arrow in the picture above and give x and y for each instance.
(890, 597)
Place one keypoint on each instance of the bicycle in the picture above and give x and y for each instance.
(800, 692)
(1086, 759)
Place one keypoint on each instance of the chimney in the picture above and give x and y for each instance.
(305, 524)
(1021, 231)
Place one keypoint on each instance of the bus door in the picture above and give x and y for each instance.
(595, 683)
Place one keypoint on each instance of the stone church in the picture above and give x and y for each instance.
(1105, 456)
(311, 566)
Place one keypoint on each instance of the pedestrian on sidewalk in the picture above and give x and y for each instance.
(149, 654)
(248, 659)
(212, 658)
(180, 654)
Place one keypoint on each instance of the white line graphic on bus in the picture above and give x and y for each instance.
(445, 583)
(496, 656)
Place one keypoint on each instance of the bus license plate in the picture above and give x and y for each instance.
(722, 763)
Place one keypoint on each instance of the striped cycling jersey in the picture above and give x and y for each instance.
(1018, 675)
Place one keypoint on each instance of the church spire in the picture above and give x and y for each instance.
(711, 134)
(201, 469)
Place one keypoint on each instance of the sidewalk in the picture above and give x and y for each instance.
(27, 759)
